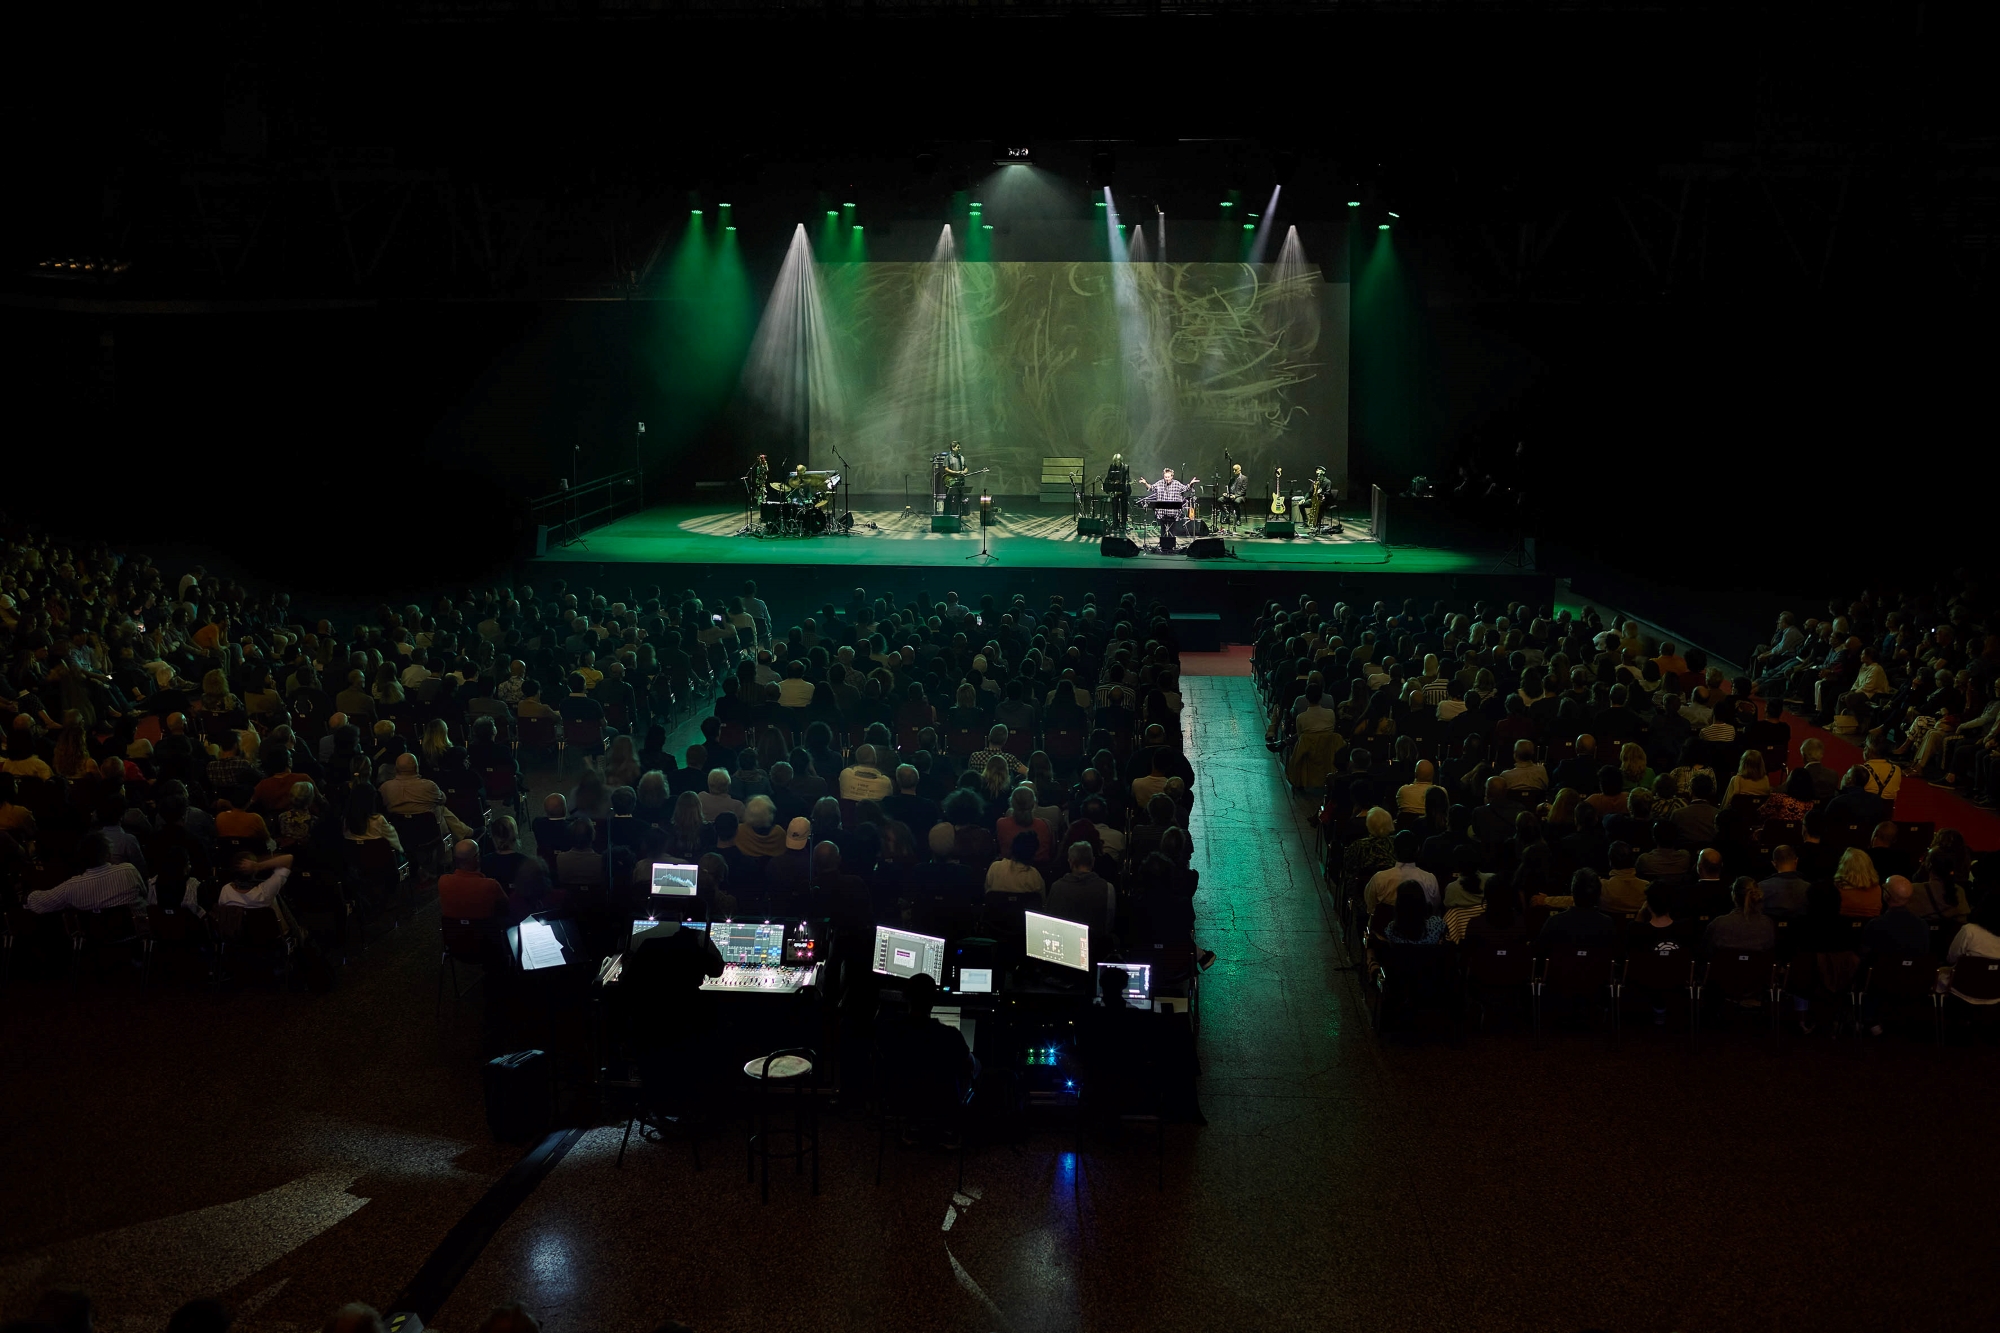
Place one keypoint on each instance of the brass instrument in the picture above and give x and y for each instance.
(1314, 507)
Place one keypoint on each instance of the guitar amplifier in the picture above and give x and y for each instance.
(1280, 527)
(945, 523)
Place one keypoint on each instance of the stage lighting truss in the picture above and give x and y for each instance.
(1013, 155)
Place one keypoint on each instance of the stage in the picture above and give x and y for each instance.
(1027, 539)
(1034, 550)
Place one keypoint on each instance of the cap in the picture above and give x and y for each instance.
(797, 832)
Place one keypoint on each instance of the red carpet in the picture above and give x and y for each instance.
(1917, 801)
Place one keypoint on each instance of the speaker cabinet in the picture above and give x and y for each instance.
(1280, 527)
(945, 523)
(1119, 546)
(1206, 548)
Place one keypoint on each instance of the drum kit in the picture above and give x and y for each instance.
(799, 506)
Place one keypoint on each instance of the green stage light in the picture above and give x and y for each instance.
(694, 212)
(1395, 215)
(847, 205)
(1354, 203)
(1249, 226)
(1227, 204)
(989, 226)
(833, 212)
(1381, 226)
(857, 226)
(729, 229)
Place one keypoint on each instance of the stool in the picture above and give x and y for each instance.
(795, 1070)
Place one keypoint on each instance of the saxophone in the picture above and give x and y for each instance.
(1278, 493)
(1314, 508)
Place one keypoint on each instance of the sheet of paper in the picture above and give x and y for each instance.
(539, 946)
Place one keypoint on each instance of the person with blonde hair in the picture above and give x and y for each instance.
(1632, 764)
(435, 741)
(1860, 887)
(1750, 778)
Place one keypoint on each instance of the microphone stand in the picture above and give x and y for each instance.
(846, 493)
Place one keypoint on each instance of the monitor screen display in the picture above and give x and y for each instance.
(1050, 939)
(675, 881)
(899, 953)
(1138, 982)
(749, 943)
(801, 943)
(975, 980)
(642, 929)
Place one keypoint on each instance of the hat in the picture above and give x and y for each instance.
(797, 832)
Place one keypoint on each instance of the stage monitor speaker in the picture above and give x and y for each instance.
(1280, 527)
(1090, 527)
(1206, 548)
(1120, 546)
(945, 523)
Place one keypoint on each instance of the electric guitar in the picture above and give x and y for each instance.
(1278, 492)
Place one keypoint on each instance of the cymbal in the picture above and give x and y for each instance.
(781, 486)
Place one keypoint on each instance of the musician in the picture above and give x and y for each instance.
(1118, 489)
(1323, 497)
(760, 475)
(1233, 494)
(1166, 496)
(955, 470)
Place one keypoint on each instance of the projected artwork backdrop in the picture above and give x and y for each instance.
(1169, 364)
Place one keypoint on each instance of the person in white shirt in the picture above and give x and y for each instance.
(244, 889)
(1410, 796)
(862, 780)
(1382, 885)
(102, 883)
(795, 691)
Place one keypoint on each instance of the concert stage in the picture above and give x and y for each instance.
(1034, 548)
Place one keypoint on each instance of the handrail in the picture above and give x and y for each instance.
(574, 510)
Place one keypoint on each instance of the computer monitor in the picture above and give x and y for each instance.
(1050, 939)
(1138, 982)
(675, 881)
(801, 943)
(902, 953)
(749, 943)
(975, 981)
(647, 926)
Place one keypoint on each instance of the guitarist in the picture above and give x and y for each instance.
(1118, 488)
(956, 469)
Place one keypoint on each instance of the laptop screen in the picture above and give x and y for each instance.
(975, 980)
(675, 881)
(901, 953)
(1138, 982)
(1050, 939)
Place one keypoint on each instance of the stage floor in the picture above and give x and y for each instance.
(691, 534)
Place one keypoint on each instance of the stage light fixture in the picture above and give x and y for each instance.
(1381, 226)
(1354, 203)
(1249, 226)
(847, 205)
(989, 226)
(694, 212)
(833, 212)
(729, 229)
(1395, 215)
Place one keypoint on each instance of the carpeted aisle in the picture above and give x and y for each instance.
(1917, 801)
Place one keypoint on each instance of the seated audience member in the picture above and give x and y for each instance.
(863, 780)
(1015, 873)
(1382, 886)
(1623, 891)
(101, 884)
(1413, 921)
(1897, 930)
(1744, 926)
(1979, 937)
(1860, 887)
(1088, 900)
(466, 892)
(1581, 925)
(1785, 890)
(717, 800)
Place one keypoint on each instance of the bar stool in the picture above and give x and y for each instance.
(796, 1071)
